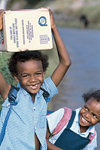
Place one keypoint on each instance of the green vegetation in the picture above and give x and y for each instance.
(92, 13)
(4, 56)
(25, 4)
(67, 13)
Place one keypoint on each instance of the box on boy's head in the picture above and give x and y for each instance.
(26, 29)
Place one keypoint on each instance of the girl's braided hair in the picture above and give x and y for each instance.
(92, 94)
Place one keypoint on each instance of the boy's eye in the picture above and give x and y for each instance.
(25, 75)
(38, 73)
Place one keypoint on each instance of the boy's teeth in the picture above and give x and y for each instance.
(33, 86)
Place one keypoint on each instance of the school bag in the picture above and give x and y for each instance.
(12, 99)
(65, 119)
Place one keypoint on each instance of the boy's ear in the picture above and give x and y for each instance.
(16, 78)
(43, 74)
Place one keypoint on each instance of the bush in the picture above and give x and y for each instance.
(4, 56)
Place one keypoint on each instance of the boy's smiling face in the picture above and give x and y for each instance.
(90, 114)
(30, 75)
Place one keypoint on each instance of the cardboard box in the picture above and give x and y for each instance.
(26, 29)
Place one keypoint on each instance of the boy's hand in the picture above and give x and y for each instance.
(51, 19)
(1, 18)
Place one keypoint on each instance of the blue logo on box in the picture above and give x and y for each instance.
(42, 21)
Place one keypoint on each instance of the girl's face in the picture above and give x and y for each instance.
(90, 114)
(30, 75)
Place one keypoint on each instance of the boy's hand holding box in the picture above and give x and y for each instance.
(26, 29)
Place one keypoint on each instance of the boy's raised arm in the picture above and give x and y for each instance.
(1, 19)
(64, 59)
(4, 87)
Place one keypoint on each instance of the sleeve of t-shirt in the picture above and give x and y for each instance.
(54, 118)
(50, 87)
(92, 145)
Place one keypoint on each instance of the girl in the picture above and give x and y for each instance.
(75, 130)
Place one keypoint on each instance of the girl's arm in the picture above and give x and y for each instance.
(50, 146)
(64, 59)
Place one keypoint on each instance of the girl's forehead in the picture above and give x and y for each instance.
(93, 105)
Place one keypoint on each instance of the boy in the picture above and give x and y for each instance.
(75, 131)
(26, 127)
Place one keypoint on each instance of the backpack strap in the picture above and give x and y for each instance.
(92, 137)
(45, 93)
(12, 99)
(13, 95)
(65, 119)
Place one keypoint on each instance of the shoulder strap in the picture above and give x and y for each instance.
(65, 119)
(45, 93)
(71, 119)
(12, 99)
(92, 137)
(12, 95)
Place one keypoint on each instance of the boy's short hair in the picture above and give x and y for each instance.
(25, 56)
(90, 94)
